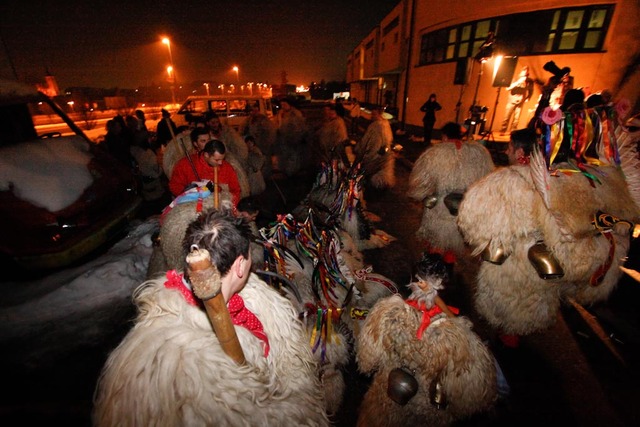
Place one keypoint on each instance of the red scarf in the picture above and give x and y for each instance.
(174, 281)
(241, 316)
(427, 314)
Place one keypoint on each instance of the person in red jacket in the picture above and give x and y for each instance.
(200, 166)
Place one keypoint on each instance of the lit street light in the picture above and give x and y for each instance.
(172, 73)
(207, 86)
(237, 70)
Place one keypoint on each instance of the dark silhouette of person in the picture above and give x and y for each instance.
(429, 109)
(164, 128)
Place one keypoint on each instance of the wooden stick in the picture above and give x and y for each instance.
(595, 326)
(206, 282)
(633, 273)
(216, 189)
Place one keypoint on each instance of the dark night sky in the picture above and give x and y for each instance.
(117, 43)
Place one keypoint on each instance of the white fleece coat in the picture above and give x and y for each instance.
(170, 369)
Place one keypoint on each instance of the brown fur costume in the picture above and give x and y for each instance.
(440, 170)
(449, 352)
(514, 207)
(167, 254)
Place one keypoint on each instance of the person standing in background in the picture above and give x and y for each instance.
(166, 129)
(519, 92)
(429, 109)
(354, 114)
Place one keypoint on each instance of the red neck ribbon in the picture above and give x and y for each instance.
(174, 281)
(242, 316)
(427, 314)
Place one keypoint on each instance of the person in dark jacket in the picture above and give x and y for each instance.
(429, 109)
(164, 129)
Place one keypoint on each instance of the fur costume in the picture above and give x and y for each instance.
(291, 147)
(374, 152)
(168, 253)
(448, 167)
(447, 356)
(339, 192)
(255, 166)
(234, 144)
(330, 138)
(171, 370)
(333, 292)
(515, 207)
(263, 130)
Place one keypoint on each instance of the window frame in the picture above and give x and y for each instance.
(460, 41)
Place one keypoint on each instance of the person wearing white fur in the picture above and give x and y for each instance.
(170, 369)
(290, 150)
(439, 179)
(374, 152)
(331, 137)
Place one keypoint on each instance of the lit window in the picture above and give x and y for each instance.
(592, 40)
(574, 20)
(568, 40)
(569, 30)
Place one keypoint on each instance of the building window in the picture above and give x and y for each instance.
(455, 42)
(393, 24)
(568, 30)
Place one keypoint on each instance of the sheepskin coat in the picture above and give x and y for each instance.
(171, 370)
(449, 351)
(291, 145)
(374, 152)
(448, 167)
(329, 141)
(507, 211)
(333, 354)
(263, 130)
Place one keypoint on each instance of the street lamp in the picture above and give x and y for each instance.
(237, 70)
(172, 73)
(207, 86)
(172, 79)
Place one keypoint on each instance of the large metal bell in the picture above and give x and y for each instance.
(452, 202)
(544, 262)
(436, 394)
(494, 256)
(430, 202)
(401, 386)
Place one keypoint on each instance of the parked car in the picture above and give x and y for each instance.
(231, 109)
(62, 197)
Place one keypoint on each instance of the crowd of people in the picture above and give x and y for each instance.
(275, 380)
